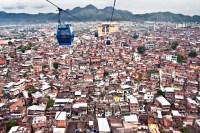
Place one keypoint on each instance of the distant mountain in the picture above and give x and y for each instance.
(91, 13)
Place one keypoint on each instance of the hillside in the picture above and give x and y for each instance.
(91, 13)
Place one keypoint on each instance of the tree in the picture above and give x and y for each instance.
(50, 103)
(180, 58)
(30, 44)
(10, 43)
(147, 34)
(141, 49)
(31, 90)
(55, 65)
(45, 66)
(137, 80)
(159, 92)
(11, 123)
(55, 72)
(135, 36)
(23, 48)
(192, 54)
(103, 94)
(106, 74)
(185, 130)
(56, 76)
(174, 45)
(153, 71)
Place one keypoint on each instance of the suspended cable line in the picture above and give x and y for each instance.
(113, 11)
(61, 10)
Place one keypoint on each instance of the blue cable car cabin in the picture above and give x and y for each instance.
(96, 34)
(65, 35)
(108, 42)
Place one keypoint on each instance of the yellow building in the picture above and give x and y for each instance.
(154, 128)
(106, 28)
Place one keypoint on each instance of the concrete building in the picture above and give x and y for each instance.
(106, 28)
(172, 58)
(39, 121)
(103, 125)
(61, 118)
(163, 103)
(131, 122)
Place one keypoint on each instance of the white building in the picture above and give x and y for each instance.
(131, 122)
(137, 57)
(59, 130)
(20, 85)
(61, 116)
(149, 45)
(103, 125)
(172, 58)
(148, 97)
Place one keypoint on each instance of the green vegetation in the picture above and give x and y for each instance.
(159, 92)
(166, 49)
(137, 80)
(55, 65)
(45, 66)
(135, 36)
(103, 94)
(23, 48)
(28, 59)
(96, 14)
(11, 55)
(192, 54)
(153, 71)
(180, 58)
(10, 43)
(147, 34)
(141, 49)
(31, 90)
(11, 123)
(174, 45)
(50, 103)
(185, 130)
(56, 73)
(106, 74)
(56, 76)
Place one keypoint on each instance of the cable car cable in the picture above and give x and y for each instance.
(61, 10)
(108, 41)
(113, 11)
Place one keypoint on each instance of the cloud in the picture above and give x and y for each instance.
(39, 6)
(19, 6)
(8, 7)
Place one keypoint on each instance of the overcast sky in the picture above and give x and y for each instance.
(187, 7)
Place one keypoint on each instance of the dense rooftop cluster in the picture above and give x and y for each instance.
(147, 81)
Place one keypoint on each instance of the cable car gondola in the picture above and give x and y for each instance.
(65, 35)
(108, 42)
(96, 34)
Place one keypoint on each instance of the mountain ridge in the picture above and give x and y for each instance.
(91, 13)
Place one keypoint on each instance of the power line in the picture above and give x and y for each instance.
(113, 11)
